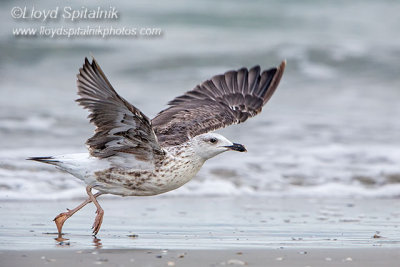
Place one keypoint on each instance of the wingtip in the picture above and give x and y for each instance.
(88, 63)
(92, 56)
(282, 66)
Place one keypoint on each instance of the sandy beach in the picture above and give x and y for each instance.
(205, 231)
(267, 257)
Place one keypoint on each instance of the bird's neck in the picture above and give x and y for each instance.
(183, 164)
(186, 153)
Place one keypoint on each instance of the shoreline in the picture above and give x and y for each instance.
(206, 223)
(205, 231)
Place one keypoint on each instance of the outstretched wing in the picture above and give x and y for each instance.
(120, 127)
(223, 100)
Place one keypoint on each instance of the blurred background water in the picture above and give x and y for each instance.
(331, 129)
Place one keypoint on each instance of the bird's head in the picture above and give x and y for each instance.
(209, 145)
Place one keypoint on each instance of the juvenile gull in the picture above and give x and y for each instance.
(131, 155)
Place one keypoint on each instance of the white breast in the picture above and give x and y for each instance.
(179, 170)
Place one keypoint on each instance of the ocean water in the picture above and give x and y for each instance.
(331, 129)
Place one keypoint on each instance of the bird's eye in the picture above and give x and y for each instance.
(213, 140)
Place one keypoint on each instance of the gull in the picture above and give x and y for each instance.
(132, 155)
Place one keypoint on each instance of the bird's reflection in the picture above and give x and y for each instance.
(97, 242)
(61, 240)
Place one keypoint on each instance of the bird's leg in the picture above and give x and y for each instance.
(100, 212)
(62, 217)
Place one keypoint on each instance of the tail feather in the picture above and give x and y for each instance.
(48, 160)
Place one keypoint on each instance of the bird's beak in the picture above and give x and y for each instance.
(237, 147)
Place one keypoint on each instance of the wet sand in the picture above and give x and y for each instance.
(268, 257)
(201, 231)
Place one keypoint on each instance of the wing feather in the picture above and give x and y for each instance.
(223, 100)
(120, 127)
